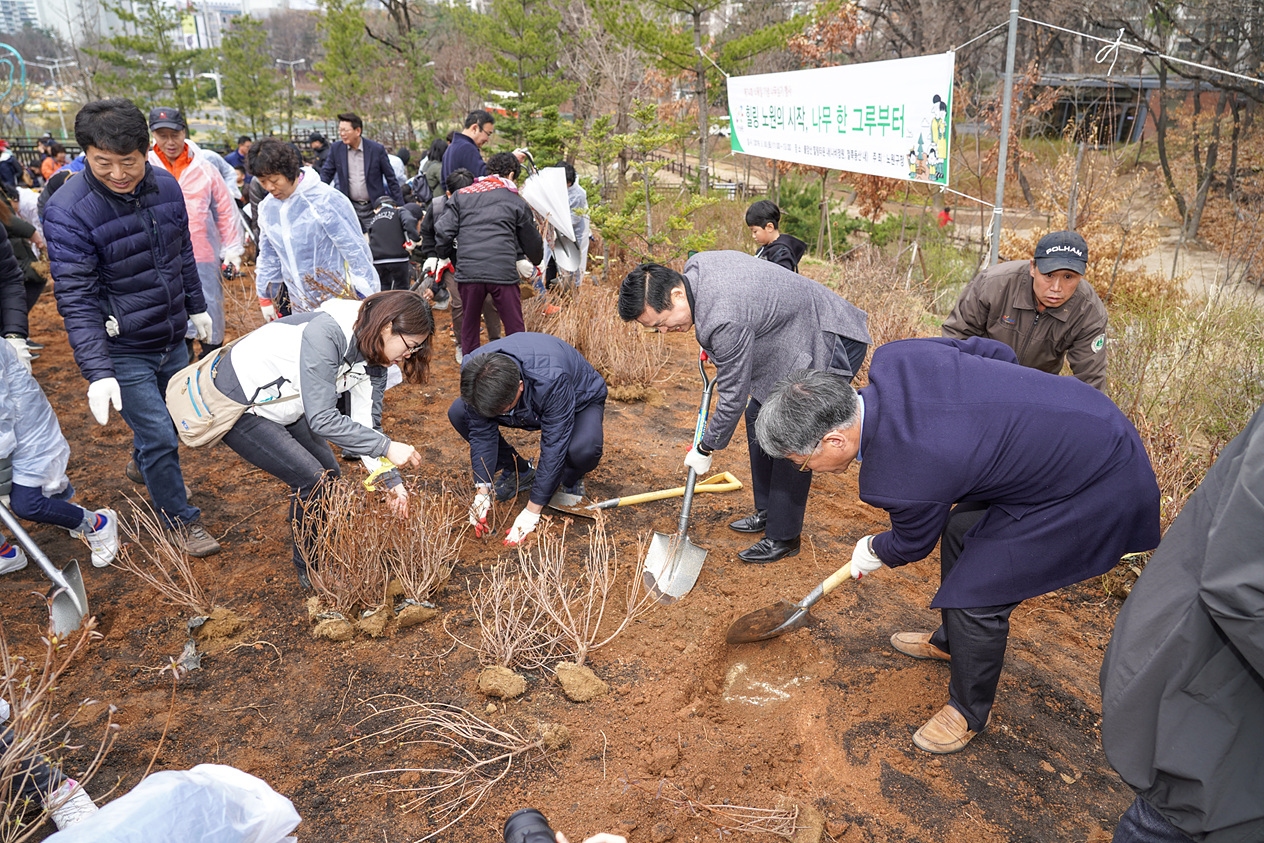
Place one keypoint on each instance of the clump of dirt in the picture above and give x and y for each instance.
(413, 614)
(375, 623)
(579, 683)
(554, 735)
(809, 822)
(334, 629)
(221, 623)
(634, 394)
(499, 681)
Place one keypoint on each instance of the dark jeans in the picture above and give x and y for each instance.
(1141, 823)
(30, 503)
(976, 636)
(295, 456)
(583, 449)
(32, 774)
(142, 379)
(508, 301)
(394, 276)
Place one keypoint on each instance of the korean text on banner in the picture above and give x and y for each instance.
(883, 118)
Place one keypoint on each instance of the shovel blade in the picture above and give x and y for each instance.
(571, 505)
(672, 566)
(70, 603)
(769, 622)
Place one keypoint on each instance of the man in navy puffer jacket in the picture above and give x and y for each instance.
(126, 287)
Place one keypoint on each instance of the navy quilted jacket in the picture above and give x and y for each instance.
(122, 255)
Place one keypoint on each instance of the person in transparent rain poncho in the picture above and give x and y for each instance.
(310, 242)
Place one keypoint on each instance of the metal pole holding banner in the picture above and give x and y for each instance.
(1002, 162)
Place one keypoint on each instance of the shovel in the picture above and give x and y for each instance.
(674, 562)
(782, 616)
(570, 504)
(70, 598)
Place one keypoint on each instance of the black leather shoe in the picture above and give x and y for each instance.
(770, 550)
(751, 523)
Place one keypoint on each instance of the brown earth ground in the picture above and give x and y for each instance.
(822, 718)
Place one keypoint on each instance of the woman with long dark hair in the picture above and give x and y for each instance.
(342, 347)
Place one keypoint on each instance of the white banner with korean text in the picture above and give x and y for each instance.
(883, 118)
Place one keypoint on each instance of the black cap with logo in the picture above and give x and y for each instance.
(1061, 250)
(165, 117)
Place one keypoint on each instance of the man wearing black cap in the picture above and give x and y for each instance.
(1043, 309)
(320, 149)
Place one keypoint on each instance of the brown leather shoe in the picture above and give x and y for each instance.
(945, 733)
(917, 645)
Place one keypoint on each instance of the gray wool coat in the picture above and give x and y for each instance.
(1183, 676)
(759, 322)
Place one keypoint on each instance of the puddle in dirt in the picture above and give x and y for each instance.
(748, 686)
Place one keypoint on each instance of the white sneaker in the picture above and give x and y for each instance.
(459, 355)
(12, 558)
(104, 540)
(70, 804)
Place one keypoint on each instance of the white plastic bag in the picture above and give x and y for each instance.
(211, 803)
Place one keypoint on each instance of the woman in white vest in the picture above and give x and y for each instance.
(342, 347)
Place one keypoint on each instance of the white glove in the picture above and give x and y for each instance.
(446, 263)
(526, 269)
(101, 394)
(111, 327)
(24, 353)
(698, 461)
(268, 309)
(863, 560)
(401, 453)
(522, 527)
(429, 265)
(478, 512)
(235, 263)
(201, 325)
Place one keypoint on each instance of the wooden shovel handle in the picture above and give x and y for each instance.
(836, 579)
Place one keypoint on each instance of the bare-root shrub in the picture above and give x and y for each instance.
(420, 548)
(342, 554)
(514, 631)
(780, 821)
(578, 606)
(481, 754)
(241, 305)
(153, 557)
(627, 356)
(35, 728)
(320, 288)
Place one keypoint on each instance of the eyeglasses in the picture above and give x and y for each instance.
(410, 350)
(803, 466)
(488, 132)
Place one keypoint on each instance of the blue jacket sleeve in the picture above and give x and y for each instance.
(12, 291)
(77, 287)
(557, 423)
(484, 445)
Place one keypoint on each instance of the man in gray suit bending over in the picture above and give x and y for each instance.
(758, 322)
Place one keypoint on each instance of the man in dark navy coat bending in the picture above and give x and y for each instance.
(533, 382)
(1031, 482)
